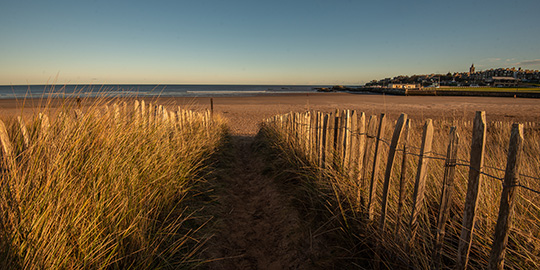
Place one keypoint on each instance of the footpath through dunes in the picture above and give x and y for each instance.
(257, 227)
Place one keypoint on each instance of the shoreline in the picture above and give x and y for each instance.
(246, 112)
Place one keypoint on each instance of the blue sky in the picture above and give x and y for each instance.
(260, 42)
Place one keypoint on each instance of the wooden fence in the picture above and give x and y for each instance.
(343, 140)
(140, 114)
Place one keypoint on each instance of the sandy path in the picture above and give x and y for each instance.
(257, 226)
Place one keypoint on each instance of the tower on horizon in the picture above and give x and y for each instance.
(471, 69)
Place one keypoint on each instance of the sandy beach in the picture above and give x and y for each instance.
(245, 113)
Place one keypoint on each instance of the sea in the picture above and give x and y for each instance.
(147, 90)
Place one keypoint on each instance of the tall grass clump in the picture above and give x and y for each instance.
(343, 193)
(111, 186)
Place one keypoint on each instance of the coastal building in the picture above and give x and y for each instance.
(503, 81)
(402, 86)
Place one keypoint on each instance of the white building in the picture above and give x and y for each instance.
(402, 86)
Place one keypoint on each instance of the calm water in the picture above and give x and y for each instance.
(37, 91)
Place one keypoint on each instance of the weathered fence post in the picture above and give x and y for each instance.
(307, 134)
(212, 108)
(290, 129)
(151, 115)
(136, 113)
(107, 113)
(297, 128)
(7, 148)
(24, 132)
(359, 149)
(125, 110)
(299, 120)
(294, 128)
(282, 132)
(315, 136)
(349, 115)
(173, 118)
(144, 118)
(370, 140)
(317, 145)
(402, 177)
(375, 171)
(420, 182)
(338, 141)
(446, 194)
(398, 131)
(44, 125)
(180, 118)
(159, 115)
(79, 115)
(323, 141)
(302, 130)
(165, 117)
(475, 177)
(508, 196)
(116, 113)
(314, 127)
(330, 136)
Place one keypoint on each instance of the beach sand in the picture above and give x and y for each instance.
(245, 113)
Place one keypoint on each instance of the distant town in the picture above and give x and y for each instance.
(500, 77)
(500, 82)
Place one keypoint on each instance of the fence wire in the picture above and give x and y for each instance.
(430, 155)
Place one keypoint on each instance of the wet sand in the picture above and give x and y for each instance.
(245, 113)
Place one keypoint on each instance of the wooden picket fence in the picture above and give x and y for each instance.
(343, 140)
(143, 114)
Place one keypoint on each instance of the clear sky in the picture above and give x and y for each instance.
(260, 42)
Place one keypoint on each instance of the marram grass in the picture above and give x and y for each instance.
(344, 199)
(105, 188)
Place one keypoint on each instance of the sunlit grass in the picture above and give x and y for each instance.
(113, 186)
(344, 198)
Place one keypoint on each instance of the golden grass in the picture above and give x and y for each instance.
(345, 198)
(106, 188)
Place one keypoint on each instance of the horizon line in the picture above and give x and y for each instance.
(157, 84)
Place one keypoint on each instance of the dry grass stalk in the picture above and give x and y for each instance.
(104, 190)
(523, 250)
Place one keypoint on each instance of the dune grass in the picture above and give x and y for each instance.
(343, 198)
(112, 186)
